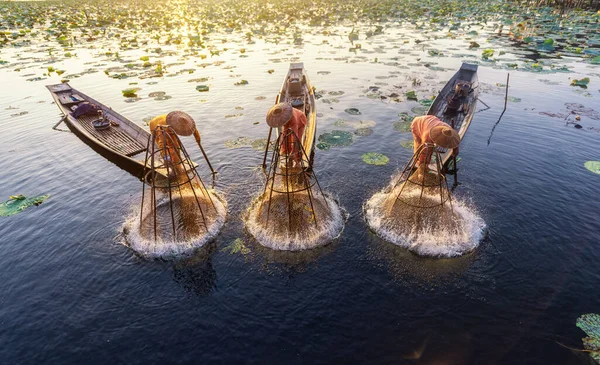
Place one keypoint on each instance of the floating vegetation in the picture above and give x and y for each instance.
(405, 117)
(353, 111)
(373, 158)
(261, 143)
(18, 203)
(402, 126)
(411, 95)
(590, 324)
(163, 97)
(238, 142)
(419, 110)
(202, 88)
(323, 146)
(130, 93)
(581, 83)
(363, 132)
(355, 124)
(337, 138)
(201, 79)
(233, 115)
(260, 98)
(336, 93)
(514, 99)
(241, 82)
(487, 53)
(408, 144)
(20, 114)
(593, 166)
(237, 246)
(426, 102)
(156, 94)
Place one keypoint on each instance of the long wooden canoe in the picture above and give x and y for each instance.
(467, 74)
(124, 143)
(298, 91)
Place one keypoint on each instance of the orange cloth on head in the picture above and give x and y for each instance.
(421, 129)
(296, 124)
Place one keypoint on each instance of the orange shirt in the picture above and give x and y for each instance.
(297, 123)
(421, 129)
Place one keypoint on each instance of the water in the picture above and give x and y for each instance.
(73, 293)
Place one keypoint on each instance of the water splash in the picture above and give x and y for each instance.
(277, 236)
(423, 231)
(168, 248)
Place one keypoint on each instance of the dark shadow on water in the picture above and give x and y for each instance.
(403, 264)
(196, 274)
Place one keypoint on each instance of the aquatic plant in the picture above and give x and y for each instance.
(202, 88)
(130, 93)
(373, 158)
(18, 203)
(337, 138)
(581, 83)
(593, 166)
(237, 246)
(590, 324)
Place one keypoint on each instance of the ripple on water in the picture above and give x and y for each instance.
(460, 235)
(168, 247)
(303, 234)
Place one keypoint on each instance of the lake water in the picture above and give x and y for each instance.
(72, 292)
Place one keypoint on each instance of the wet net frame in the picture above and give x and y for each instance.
(153, 154)
(411, 167)
(304, 172)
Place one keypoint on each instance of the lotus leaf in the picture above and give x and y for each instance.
(487, 53)
(581, 83)
(238, 142)
(130, 93)
(337, 138)
(411, 95)
(590, 324)
(593, 166)
(373, 158)
(18, 203)
(323, 146)
(426, 102)
(202, 88)
(409, 144)
(363, 132)
(353, 111)
(402, 126)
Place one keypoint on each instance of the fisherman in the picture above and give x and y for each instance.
(428, 129)
(293, 122)
(165, 128)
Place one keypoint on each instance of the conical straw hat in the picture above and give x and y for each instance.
(279, 114)
(445, 136)
(181, 123)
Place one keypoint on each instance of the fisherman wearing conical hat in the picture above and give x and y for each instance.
(173, 124)
(429, 129)
(293, 123)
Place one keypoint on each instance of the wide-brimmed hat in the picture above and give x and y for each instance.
(279, 114)
(445, 136)
(181, 123)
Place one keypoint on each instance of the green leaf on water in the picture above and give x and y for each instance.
(130, 93)
(411, 95)
(236, 246)
(373, 158)
(402, 126)
(426, 102)
(18, 203)
(595, 60)
(145, 58)
(487, 53)
(241, 82)
(593, 166)
(581, 83)
(337, 138)
(590, 324)
(202, 88)
(514, 99)
(323, 146)
(408, 144)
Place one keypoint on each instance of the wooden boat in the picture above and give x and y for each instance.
(460, 120)
(122, 142)
(299, 92)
